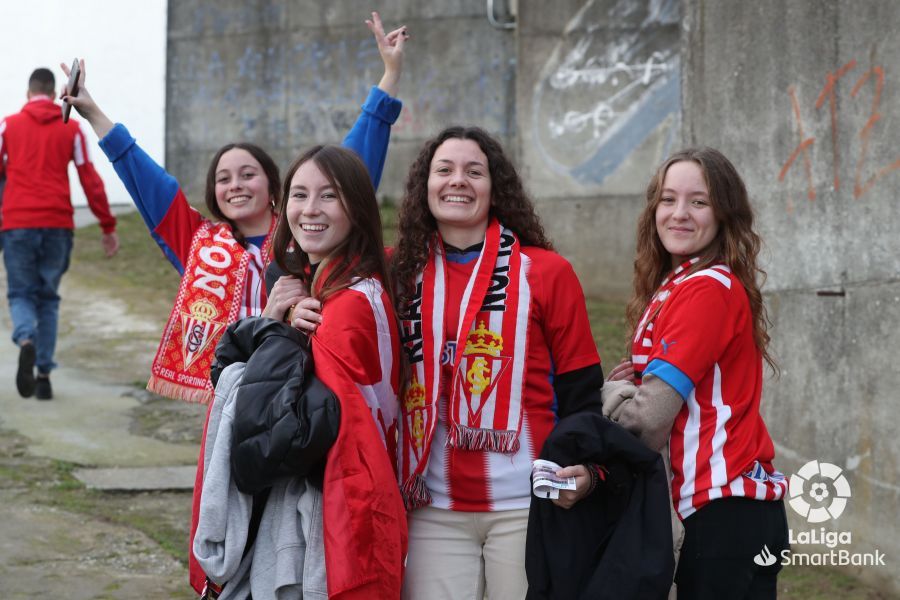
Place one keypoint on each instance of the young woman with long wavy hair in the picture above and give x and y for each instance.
(498, 345)
(699, 340)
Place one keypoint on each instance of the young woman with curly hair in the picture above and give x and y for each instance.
(498, 344)
(697, 356)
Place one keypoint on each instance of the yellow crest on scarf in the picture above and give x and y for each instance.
(482, 341)
(413, 399)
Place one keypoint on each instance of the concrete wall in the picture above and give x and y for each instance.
(585, 96)
(762, 79)
(291, 74)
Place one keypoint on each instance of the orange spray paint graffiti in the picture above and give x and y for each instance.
(829, 93)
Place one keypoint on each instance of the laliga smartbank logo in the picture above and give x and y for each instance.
(819, 492)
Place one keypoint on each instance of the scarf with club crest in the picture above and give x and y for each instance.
(209, 299)
(488, 351)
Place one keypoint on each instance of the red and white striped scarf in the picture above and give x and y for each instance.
(210, 297)
(488, 358)
(641, 344)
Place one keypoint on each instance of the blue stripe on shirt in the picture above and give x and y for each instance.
(671, 375)
(463, 257)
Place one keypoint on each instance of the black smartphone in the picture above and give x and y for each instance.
(71, 88)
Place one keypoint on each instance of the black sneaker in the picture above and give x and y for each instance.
(42, 388)
(25, 375)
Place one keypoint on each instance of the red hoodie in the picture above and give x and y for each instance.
(35, 150)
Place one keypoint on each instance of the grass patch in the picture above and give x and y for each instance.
(162, 516)
(608, 327)
(820, 583)
(139, 274)
(389, 220)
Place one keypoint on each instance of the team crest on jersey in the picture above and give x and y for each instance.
(414, 402)
(199, 330)
(480, 367)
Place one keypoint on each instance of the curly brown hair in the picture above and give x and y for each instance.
(361, 254)
(736, 244)
(417, 226)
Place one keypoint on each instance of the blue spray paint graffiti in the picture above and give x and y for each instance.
(605, 90)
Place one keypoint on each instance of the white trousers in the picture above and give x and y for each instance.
(457, 555)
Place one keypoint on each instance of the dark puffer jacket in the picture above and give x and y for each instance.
(615, 544)
(286, 419)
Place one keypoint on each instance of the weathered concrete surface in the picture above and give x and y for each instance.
(86, 422)
(598, 107)
(138, 478)
(291, 74)
(760, 79)
(46, 550)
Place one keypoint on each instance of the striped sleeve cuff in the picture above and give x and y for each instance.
(672, 375)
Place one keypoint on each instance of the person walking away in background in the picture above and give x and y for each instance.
(36, 147)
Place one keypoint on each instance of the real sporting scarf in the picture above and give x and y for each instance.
(488, 351)
(209, 299)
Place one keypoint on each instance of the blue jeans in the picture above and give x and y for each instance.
(35, 261)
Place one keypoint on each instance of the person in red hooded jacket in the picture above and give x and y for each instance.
(36, 147)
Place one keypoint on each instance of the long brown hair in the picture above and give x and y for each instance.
(269, 168)
(736, 244)
(361, 254)
(417, 226)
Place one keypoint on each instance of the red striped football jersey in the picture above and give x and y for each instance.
(697, 336)
(559, 341)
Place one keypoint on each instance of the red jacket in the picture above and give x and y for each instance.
(35, 150)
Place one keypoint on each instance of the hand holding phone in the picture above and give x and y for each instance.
(71, 89)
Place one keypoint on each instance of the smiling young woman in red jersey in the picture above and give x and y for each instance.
(698, 348)
(497, 338)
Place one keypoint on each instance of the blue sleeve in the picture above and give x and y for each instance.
(150, 186)
(371, 133)
(672, 375)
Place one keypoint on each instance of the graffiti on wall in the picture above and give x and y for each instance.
(606, 89)
(851, 80)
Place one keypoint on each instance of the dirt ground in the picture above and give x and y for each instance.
(58, 538)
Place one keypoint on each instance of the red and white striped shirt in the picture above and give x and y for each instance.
(697, 336)
(559, 341)
(254, 291)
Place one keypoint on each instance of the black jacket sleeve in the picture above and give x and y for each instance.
(578, 390)
(273, 272)
(285, 419)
